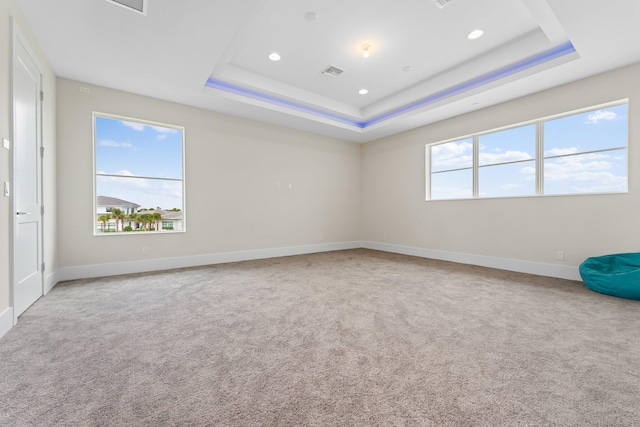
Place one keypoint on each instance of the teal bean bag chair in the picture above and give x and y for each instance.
(617, 275)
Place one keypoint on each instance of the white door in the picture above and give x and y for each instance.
(27, 239)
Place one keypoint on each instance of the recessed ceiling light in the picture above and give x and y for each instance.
(310, 16)
(274, 56)
(407, 68)
(365, 50)
(475, 34)
(363, 91)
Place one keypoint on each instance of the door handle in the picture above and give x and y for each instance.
(23, 213)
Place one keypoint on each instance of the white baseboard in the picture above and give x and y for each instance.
(6, 321)
(112, 269)
(520, 266)
(158, 264)
(50, 281)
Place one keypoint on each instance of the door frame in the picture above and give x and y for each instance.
(17, 36)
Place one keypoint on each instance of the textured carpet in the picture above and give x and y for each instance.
(353, 337)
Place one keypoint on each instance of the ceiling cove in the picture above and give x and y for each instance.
(564, 50)
(358, 71)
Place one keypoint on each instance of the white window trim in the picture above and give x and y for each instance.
(539, 160)
(95, 195)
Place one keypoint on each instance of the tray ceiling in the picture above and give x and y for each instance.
(421, 67)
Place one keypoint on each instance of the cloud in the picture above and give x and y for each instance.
(139, 184)
(560, 151)
(612, 184)
(115, 144)
(121, 172)
(528, 170)
(135, 126)
(583, 173)
(578, 171)
(587, 173)
(529, 173)
(452, 155)
(506, 157)
(172, 189)
(577, 167)
(600, 115)
(160, 129)
(162, 132)
(145, 192)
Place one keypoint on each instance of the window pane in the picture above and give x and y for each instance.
(452, 155)
(136, 149)
(452, 185)
(510, 180)
(508, 145)
(146, 193)
(586, 173)
(139, 176)
(583, 153)
(590, 131)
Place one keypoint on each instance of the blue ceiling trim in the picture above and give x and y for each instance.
(271, 99)
(530, 62)
(562, 50)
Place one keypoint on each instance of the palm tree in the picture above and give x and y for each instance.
(119, 217)
(157, 217)
(104, 218)
(146, 219)
(135, 218)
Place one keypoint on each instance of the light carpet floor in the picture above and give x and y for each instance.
(347, 338)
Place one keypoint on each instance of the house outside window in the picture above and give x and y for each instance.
(139, 176)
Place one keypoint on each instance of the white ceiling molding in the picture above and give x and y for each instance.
(421, 67)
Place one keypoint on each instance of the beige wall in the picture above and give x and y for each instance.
(531, 229)
(232, 166)
(8, 9)
(342, 191)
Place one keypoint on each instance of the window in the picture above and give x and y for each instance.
(586, 153)
(452, 170)
(579, 153)
(503, 159)
(139, 175)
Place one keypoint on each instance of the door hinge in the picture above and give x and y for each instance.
(41, 96)
(41, 151)
(41, 210)
(42, 267)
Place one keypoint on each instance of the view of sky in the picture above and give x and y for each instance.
(507, 158)
(136, 150)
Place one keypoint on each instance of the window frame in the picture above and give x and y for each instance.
(539, 159)
(183, 229)
(471, 168)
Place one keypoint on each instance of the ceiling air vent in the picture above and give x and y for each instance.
(332, 71)
(139, 6)
(441, 3)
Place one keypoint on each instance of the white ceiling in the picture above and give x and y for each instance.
(213, 54)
